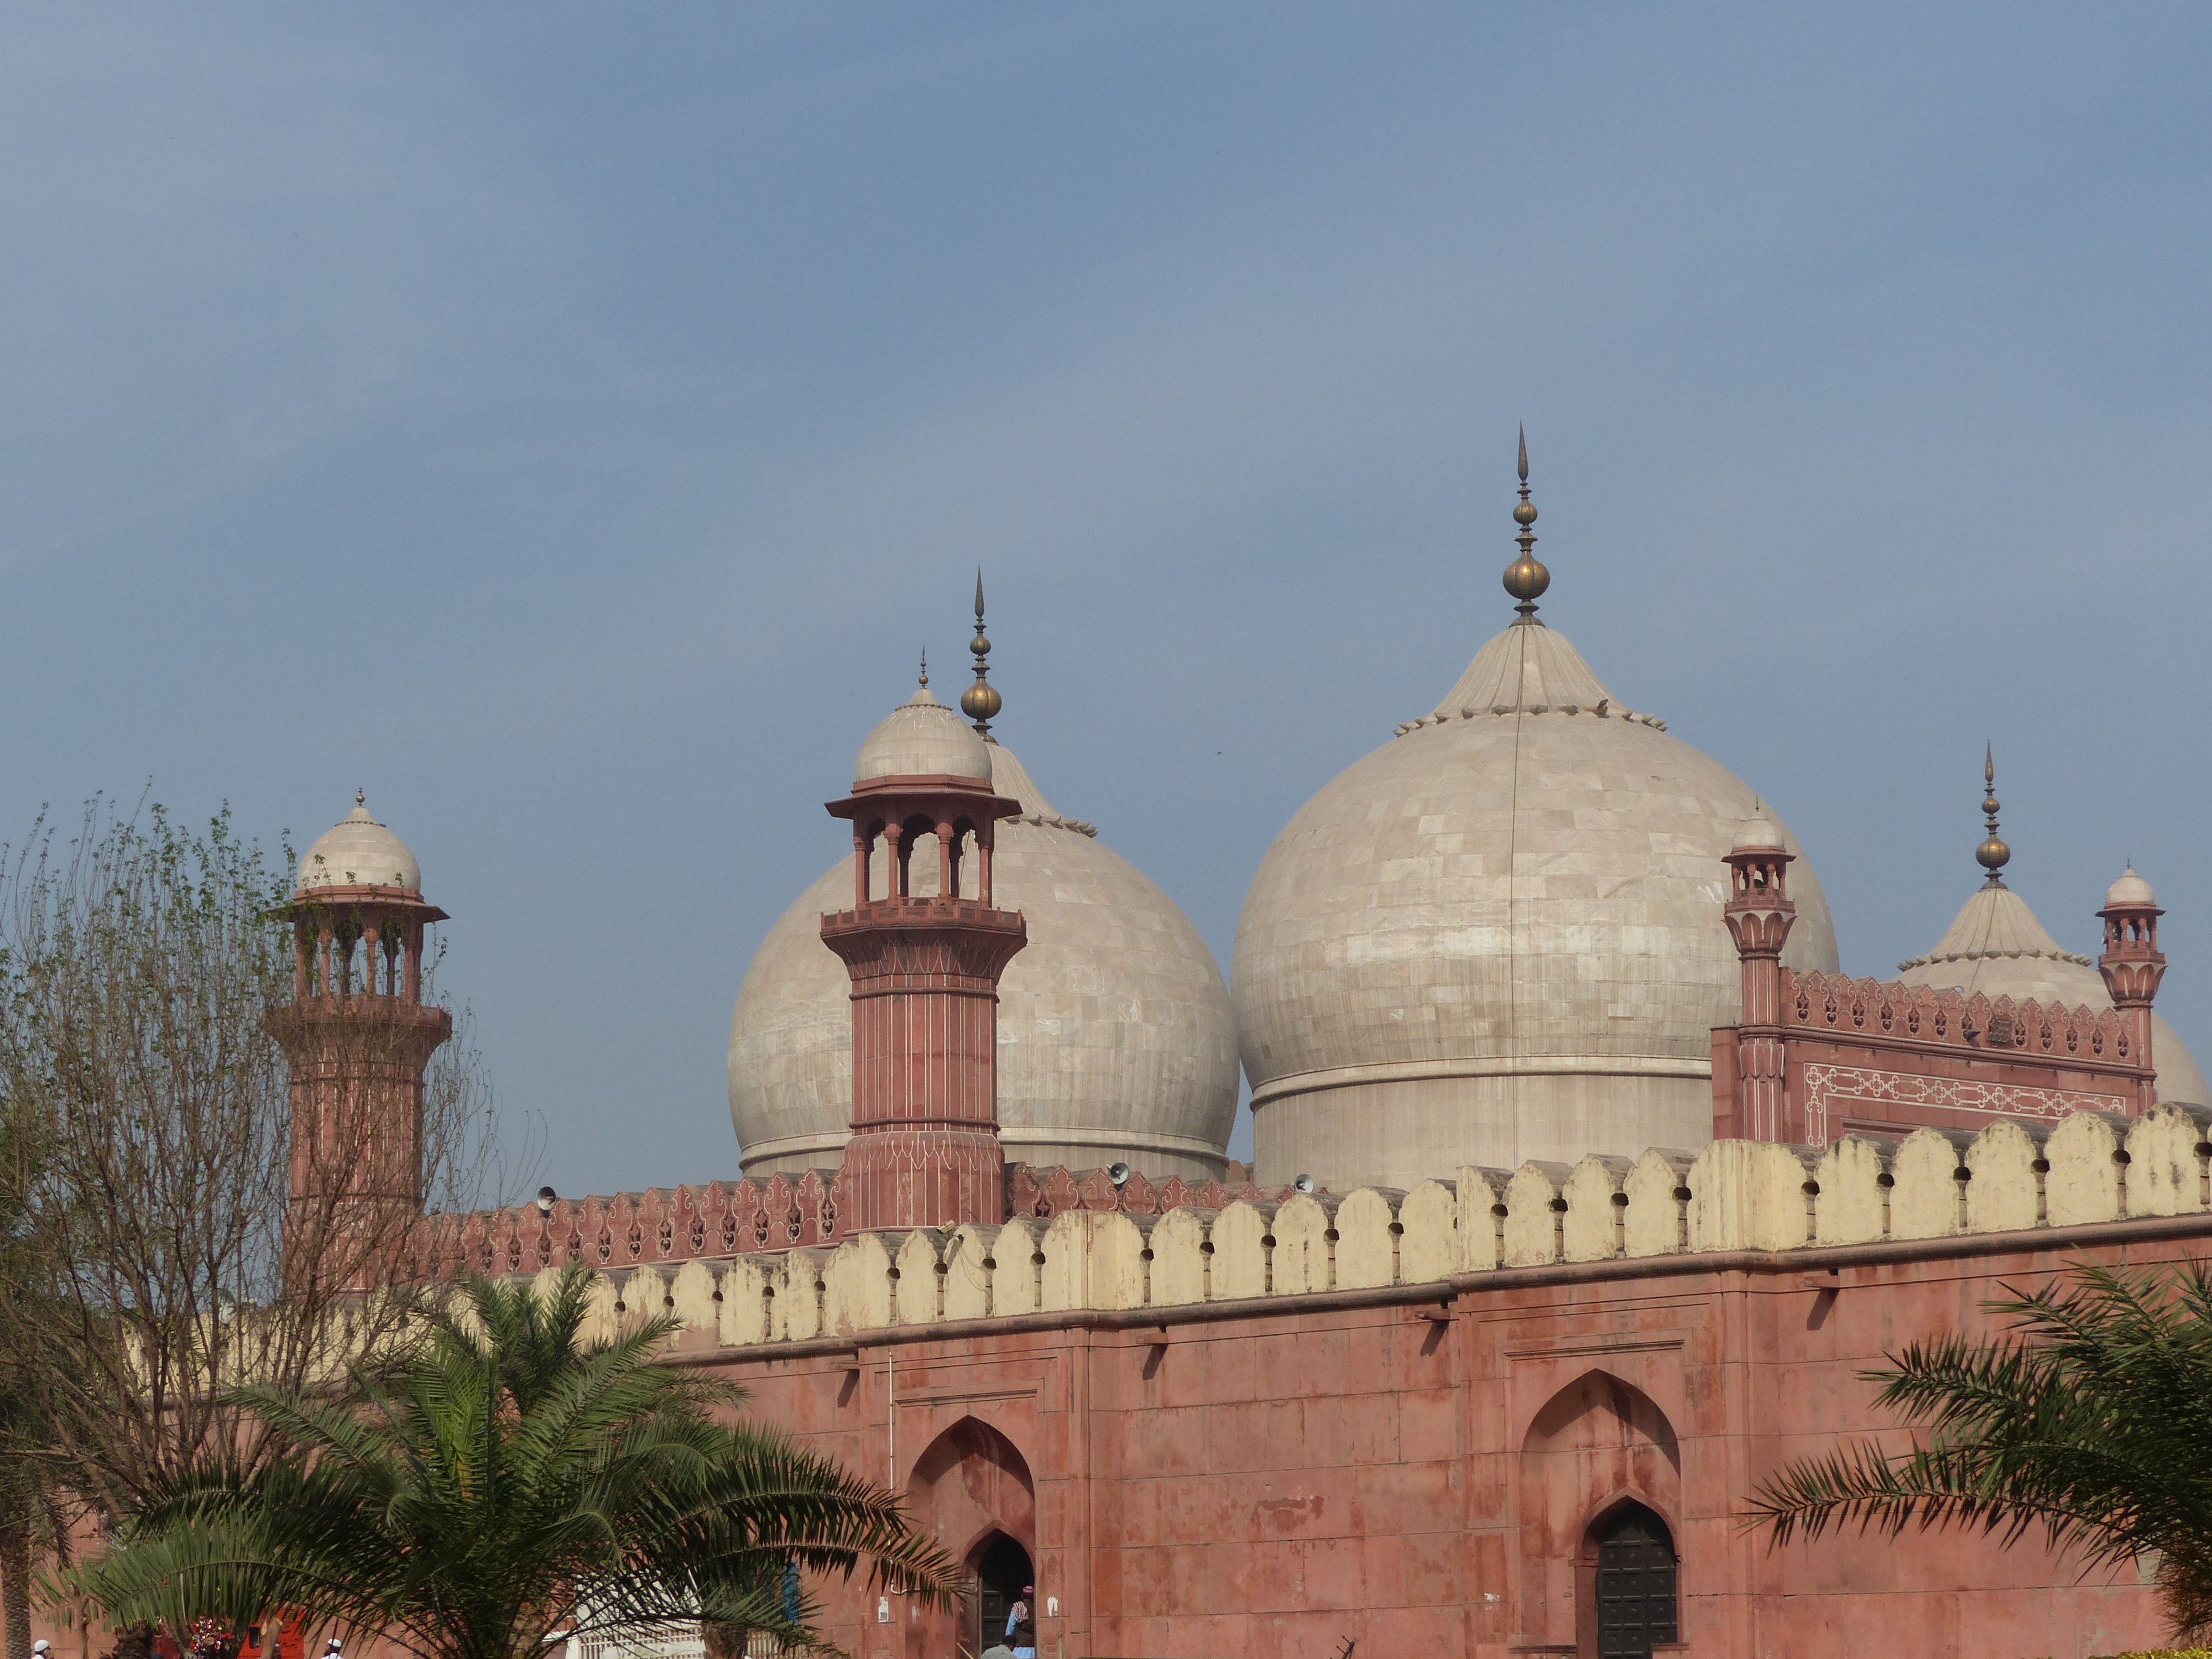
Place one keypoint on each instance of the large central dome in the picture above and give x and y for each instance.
(1498, 937)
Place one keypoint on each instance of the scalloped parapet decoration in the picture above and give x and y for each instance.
(1447, 1235)
(737, 1218)
(1919, 1013)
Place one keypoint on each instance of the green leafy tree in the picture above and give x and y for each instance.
(2090, 1421)
(502, 1481)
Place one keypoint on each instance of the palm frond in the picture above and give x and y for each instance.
(502, 1476)
(2090, 1421)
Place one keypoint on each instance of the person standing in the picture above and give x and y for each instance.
(1020, 1624)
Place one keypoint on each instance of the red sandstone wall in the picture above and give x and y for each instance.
(1277, 1483)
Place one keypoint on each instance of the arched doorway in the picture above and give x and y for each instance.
(1594, 1444)
(999, 1572)
(1634, 1596)
(970, 1490)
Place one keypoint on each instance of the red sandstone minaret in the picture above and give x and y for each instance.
(1759, 914)
(357, 1037)
(2133, 965)
(925, 969)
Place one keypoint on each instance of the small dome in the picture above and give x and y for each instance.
(359, 852)
(2129, 890)
(921, 738)
(1996, 945)
(1758, 835)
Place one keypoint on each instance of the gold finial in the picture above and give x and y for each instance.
(925, 668)
(1526, 579)
(981, 702)
(360, 797)
(1992, 854)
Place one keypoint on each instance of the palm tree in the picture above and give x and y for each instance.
(502, 1481)
(34, 1517)
(2091, 1421)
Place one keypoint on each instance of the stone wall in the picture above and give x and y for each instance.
(1270, 1425)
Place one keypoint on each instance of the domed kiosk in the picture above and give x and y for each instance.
(1115, 1042)
(1996, 946)
(1499, 936)
(357, 850)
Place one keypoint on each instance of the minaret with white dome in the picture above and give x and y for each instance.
(357, 1037)
(925, 972)
(1500, 935)
(1115, 1042)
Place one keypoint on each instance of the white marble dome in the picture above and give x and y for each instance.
(1114, 1036)
(921, 738)
(1499, 937)
(1996, 945)
(359, 852)
(2129, 888)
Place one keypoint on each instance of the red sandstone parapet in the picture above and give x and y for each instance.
(724, 1218)
(1882, 1057)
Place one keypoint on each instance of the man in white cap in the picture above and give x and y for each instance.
(41, 1648)
(330, 1649)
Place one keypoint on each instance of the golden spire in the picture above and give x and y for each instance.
(925, 668)
(1992, 854)
(1526, 579)
(981, 701)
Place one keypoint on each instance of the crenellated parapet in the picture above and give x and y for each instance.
(1846, 1055)
(724, 1218)
(1972, 1024)
(2011, 1177)
(624, 1230)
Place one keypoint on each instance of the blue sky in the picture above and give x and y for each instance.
(567, 422)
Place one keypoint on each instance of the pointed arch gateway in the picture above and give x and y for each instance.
(1600, 1482)
(971, 1491)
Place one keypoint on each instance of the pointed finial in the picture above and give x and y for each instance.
(1992, 854)
(1526, 579)
(981, 702)
(925, 668)
(360, 797)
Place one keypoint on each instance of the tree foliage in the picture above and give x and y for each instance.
(33, 1512)
(149, 1150)
(2090, 1421)
(507, 1479)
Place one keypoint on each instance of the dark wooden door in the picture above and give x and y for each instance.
(1634, 1584)
(1001, 1569)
